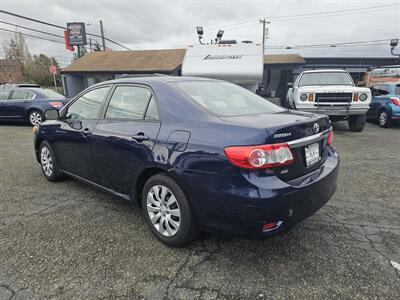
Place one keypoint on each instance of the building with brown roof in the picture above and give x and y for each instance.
(279, 69)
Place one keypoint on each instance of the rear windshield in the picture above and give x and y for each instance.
(51, 94)
(227, 99)
(328, 78)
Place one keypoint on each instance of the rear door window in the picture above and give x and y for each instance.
(379, 90)
(4, 94)
(88, 105)
(152, 111)
(30, 95)
(19, 95)
(128, 102)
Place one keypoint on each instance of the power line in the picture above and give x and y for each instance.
(335, 12)
(38, 37)
(58, 26)
(36, 30)
(333, 45)
(246, 23)
(34, 36)
(28, 28)
(31, 19)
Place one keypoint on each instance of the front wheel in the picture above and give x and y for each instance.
(167, 211)
(35, 117)
(357, 122)
(384, 119)
(48, 163)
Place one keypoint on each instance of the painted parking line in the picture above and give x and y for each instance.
(395, 265)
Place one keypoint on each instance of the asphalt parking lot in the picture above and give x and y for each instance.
(67, 241)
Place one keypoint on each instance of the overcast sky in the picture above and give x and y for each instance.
(171, 24)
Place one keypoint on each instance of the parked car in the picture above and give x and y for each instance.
(26, 103)
(385, 104)
(333, 93)
(197, 154)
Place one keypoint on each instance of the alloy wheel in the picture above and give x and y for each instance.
(163, 210)
(383, 118)
(46, 161)
(35, 118)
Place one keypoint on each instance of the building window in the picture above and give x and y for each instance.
(93, 79)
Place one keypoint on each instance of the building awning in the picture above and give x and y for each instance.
(128, 61)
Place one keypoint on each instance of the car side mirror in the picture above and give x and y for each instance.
(290, 84)
(51, 114)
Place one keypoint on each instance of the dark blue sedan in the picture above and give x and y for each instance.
(196, 154)
(27, 104)
(385, 104)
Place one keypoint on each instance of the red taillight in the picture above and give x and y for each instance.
(56, 104)
(330, 137)
(395, 101)
(260, 156)
(271, 226)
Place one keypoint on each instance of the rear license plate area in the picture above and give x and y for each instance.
(312, 154)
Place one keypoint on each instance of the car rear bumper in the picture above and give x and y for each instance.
(395, 112)
(241, 207)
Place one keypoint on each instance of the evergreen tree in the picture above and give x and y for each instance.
(11, 51)
(16, 49)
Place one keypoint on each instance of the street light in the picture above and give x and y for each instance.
(200, 32)
(393, 44)
(220, 33)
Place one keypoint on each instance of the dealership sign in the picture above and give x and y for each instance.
(76, 33)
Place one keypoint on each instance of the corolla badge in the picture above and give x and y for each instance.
(281, 135)
(315, 127)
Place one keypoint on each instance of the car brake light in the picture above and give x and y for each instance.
(56, 104)
(395, 101)
(330, 137)
(260, 156)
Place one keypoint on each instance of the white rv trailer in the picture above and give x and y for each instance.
(242, 64)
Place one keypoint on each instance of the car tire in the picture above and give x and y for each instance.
(357, 122)
(384, 119)
(35, 117)
(167, 211)
(48, 163)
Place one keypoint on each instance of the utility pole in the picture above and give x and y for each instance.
(90, 45)
(102, 35)
(265, 32)
(54, 75)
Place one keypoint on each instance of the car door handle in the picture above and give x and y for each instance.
(140, 137)
(85, 131)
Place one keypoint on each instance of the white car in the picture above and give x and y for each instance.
(333, 93)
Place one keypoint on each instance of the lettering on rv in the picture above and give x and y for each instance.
(209, 56)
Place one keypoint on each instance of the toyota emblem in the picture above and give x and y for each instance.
(316, 127)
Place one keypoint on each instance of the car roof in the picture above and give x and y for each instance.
(325, 71)
(155, 79)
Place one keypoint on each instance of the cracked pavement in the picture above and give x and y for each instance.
(68, 241)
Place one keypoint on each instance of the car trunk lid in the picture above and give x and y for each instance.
(306, 134)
